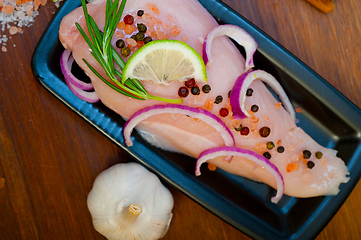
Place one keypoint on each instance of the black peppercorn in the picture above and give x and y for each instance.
(280, 149)
(249, 92)
(195, 90)
(306, 154)
(219, 99)
(254, 108)
(147, 40)
(120, 43)
(140, 13)
(206, 88)
(310, 164)
(267, 155)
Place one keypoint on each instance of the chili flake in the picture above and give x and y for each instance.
(292, 167)
(212, 167)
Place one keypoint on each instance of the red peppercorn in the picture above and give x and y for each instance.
(128, 19)
(264, 132)
(190, 83)
(183, 92)
(223, 112)
(245, 131)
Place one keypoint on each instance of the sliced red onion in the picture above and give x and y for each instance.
(78, 87)
(235, 151)
(91, 97)
(238, 93)
(66, 61)
(236, 33)
(199, 113)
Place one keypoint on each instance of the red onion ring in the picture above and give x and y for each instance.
(199, 113)
(236, 33)
(75, 85)
(235, 151)
(66, 61)
(90, 97)
(238, 93)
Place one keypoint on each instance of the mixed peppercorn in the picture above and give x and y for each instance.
(265, 132)
(138, 37)
(191, 86)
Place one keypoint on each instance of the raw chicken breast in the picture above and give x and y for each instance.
(188, 21)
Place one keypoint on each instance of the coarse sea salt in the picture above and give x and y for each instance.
(23, 15)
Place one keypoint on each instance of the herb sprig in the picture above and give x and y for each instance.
(105, 54)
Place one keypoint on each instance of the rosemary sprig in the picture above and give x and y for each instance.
(105, 54)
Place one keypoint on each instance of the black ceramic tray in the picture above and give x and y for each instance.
(243, 203)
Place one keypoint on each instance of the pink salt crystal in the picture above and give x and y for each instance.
(139, 20)
(30, 13)
(294, 157)
(4, 49)
(29, 7)
(306, 177)
(13, 30)
(131, 42)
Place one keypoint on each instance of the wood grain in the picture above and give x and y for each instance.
(49, 156)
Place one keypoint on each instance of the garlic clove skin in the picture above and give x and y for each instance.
(129, 202)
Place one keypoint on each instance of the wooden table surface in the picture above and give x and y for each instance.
(49, 156)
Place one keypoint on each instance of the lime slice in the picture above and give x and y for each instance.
(165, 61)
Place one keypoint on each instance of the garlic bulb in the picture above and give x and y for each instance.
(129, 202)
